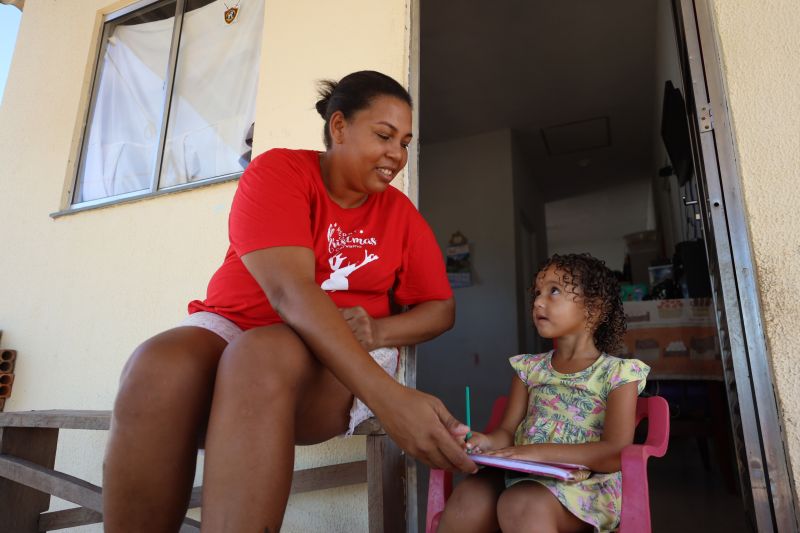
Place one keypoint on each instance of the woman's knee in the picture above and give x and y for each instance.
(169, 370)
(268, 361)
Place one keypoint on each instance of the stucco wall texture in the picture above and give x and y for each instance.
(78, 293)
(760, 53)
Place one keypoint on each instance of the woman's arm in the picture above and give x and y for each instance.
(418, 422)
(422, 322)
(601, 456)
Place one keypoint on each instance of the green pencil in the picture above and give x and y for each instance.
(469, 424)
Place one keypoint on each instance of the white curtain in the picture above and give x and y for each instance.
(213, 102)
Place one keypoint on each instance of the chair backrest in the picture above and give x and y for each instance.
(635, 516)
(498, 409)
(656, 410)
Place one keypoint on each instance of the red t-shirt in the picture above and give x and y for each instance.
(361, 253)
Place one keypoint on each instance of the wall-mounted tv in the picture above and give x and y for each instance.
(675, 133)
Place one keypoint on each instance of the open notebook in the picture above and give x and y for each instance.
(562, 471)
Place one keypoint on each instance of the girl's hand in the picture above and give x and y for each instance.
(525, 452)
(363, 326)
(477, 443)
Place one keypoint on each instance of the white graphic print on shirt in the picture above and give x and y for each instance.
(339, 240)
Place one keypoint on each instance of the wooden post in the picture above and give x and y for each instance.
(20, 506)
(386, 485)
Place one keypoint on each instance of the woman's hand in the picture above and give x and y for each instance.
(364, 327)
(478, 443)
(420, 323)
(421, 425)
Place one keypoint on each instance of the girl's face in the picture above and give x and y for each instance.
(373, 144)
(557, 309)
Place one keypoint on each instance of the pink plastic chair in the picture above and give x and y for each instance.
(635, 496)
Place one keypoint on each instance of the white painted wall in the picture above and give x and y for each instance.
(80, 292)
(467, 185)
(596, 222)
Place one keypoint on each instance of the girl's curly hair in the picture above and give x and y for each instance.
(598, 289)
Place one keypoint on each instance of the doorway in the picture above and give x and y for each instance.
(540, 132)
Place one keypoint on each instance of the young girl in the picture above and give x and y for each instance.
(575, 404)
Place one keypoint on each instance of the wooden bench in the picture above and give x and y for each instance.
(28, 442)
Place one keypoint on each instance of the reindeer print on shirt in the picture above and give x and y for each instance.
(338, 280)
(339, 240)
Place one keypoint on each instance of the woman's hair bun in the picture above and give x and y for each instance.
(353, 93)
(325, 91)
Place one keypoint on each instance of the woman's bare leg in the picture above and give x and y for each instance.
(472, 508)
(162, 405)
(270, 393)
(529, 507)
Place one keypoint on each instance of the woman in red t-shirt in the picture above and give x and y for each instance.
(290, 331)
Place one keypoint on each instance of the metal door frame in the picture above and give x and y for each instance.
(723, 207)
(409, 371)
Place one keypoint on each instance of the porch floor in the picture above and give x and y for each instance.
(687, 498)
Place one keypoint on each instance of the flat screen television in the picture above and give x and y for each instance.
(675, 133)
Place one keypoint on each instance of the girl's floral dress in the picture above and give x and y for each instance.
(570, 408)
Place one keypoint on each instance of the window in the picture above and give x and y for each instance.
(173, 100)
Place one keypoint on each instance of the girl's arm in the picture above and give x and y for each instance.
(422, 322)
(601, 456)
(503, 435)
(418, 422)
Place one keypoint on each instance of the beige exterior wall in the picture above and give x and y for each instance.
(760, 52)
(78, 293)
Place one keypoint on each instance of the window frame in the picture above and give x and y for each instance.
(120, 15)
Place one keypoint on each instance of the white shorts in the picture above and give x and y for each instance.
(387, 358)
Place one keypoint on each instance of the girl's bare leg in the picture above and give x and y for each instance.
(472, 507)
(530, 507)
(160, 410)
(270, 393)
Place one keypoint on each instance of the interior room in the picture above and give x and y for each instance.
(558, 127)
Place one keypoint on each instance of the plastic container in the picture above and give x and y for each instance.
(659, 273)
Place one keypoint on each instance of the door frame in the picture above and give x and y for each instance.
(409, 370)
(771, 478)
(767, 461)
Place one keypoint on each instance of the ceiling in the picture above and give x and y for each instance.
(574, 79)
